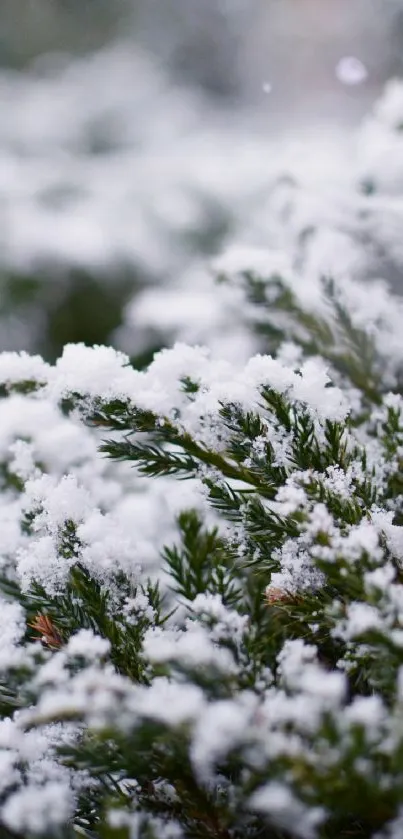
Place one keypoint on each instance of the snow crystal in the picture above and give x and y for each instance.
(59, 443)
(12, 631)
(320, 521)
(392, 532)
(23, 460)
(9, 773)
(312, 388)
(57, 501)
(298, 572)
(290, 354)
(53, 672)
(91, 371)
(290, 498)
(338, 480)
(299, 670)
(286, 811)
(17, 368)
(380, 578)
(168, 702)
(366, 711)
(193, 648)
(41, 561)
(38, 809)
(351, 71)
(294, 656)
(105, 547)
(363, 537)
(87, 645)
(138, 606)
(361, 618)
(220, 728)
(92, 694)
(228, 624)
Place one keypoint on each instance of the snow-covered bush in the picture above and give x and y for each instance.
(201, 633)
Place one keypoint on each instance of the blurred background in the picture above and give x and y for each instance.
(141, 138)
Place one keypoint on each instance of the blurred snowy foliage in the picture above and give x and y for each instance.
(116, 184)
(121, 175)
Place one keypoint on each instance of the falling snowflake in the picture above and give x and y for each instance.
(351, 71)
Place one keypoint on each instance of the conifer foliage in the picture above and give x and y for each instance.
(201, 575)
